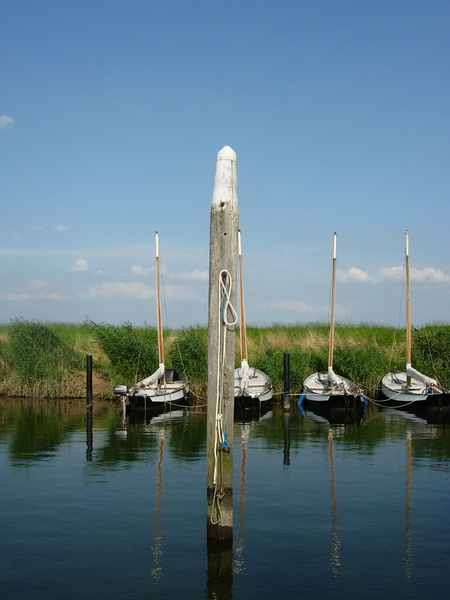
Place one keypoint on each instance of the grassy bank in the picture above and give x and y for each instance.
(47, 360)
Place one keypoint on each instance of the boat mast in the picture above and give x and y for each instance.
(333, 306)
(408, 310)
(159, 324)
(243, 327)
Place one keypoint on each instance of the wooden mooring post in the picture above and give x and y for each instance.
(89, 407)
(221, 348)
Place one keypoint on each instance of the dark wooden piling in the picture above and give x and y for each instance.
(286, 381)
(221, 349)
(89, 408)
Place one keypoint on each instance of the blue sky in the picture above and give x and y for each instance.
(111, 115)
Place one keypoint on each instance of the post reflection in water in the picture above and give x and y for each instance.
(157, 546)
(89, 434)
(224, 562)
(408, 501)
(220, 571)
(286, 440)
(336, 549)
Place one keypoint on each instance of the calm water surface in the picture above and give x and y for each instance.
(365, 515)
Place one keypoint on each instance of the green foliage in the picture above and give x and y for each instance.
(431, 352)
(37, 359)
(364, 365)
(302, 363)
(132, 351)
(189, 354)
(187, 439)
(41, 360)
(3, 359)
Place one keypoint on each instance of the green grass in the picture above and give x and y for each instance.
(46, 359)
(40, 360)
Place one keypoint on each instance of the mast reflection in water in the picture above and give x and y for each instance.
(336, 549)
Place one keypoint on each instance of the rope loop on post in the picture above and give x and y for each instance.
(229, 314)
(228, 318)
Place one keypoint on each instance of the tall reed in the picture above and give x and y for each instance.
(41, 361)
(189, 356)
(131, 351)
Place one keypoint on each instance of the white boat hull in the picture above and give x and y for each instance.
(258, 387)
(316, 388)
(171, 392)
(395, 388)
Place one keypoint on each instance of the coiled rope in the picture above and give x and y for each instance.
(227, 320)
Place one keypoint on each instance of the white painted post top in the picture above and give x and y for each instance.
(225, 181)
(407, 242)
(156, 244)
(226, 153)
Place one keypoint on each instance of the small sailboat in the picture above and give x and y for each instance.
(410, 385)
(249, 383)
(162, 386)
(322, 387)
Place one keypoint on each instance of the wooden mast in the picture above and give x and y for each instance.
(159, 324)
(408, 310)
(243, 325)
(333, 306)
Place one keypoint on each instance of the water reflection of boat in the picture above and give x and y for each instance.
(153, 415)
(403, 414)
(246, 412)
(335, 415)
(422, 413)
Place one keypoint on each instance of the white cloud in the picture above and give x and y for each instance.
(195, 275)
(132, 251)
(295, 306)
(420, 275)
(139, 270)
(138, 290)
(38, 284)
(61, 228)
(430, 275)
(179, 292)
(37, 292)
(6, 121)
(189, 276)
(392, 273)
(81, 265)
(353, 274)
(121, 289)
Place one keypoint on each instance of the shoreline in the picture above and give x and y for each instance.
(47, 360)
